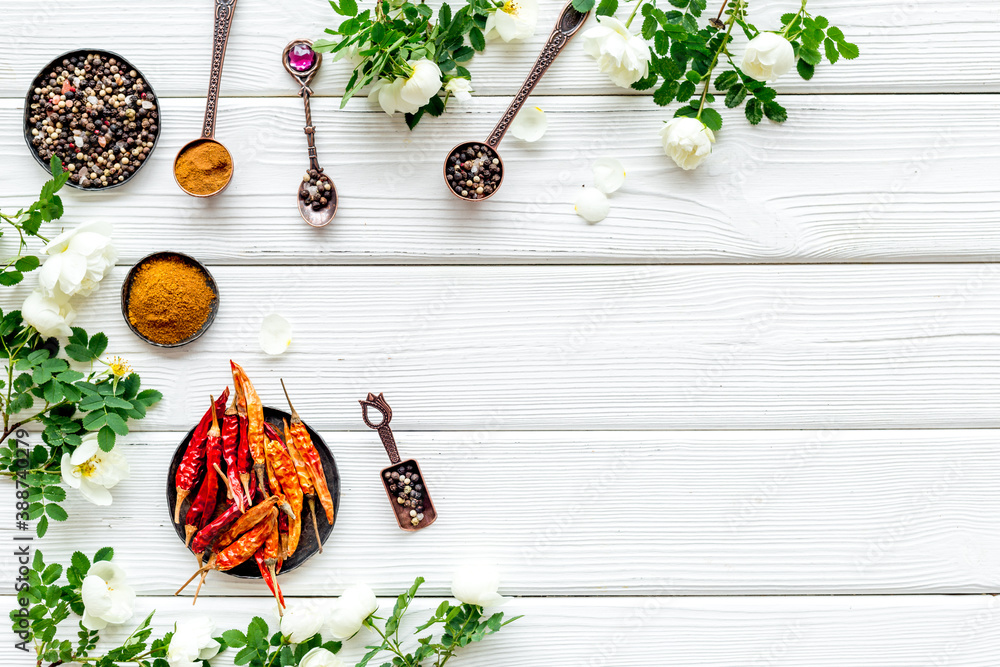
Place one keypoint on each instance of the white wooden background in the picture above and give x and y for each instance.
(749, 419)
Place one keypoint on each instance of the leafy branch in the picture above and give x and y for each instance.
(40, 386)
(27, 222)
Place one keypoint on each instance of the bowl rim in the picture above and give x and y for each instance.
(26, 131)
(127, 289)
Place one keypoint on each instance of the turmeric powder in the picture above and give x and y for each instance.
(169, 299)
(204, 167)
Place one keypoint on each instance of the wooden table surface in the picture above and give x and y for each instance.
(748, 419)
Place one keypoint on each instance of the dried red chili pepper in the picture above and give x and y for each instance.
(207, 535)
(249, 401)
(282, 471)
(305, 481)
(230, 453)
(269, 562)
(192, 464)
(304, 444)
(202, 507)
(245, 522)
(236, 553)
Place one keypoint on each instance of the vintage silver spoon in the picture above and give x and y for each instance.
(302, 63)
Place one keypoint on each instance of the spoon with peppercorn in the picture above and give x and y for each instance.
(474, 170)
(317, 195)
(403, 481)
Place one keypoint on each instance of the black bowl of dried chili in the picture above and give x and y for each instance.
(310, 541)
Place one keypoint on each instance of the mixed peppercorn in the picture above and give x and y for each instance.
(316, 189)
(252, 486)
(404, 483)
(97, 114)
(474, 171)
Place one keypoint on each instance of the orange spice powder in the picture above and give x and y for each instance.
(169, 300)
(204, 167)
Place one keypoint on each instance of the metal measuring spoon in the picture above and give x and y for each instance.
(475, 167)
(302, 63)
(403, 481)
(224, 10)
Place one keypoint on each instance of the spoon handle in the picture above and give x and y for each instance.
(310, 130)
(384, 432)
(569, 22)
(224, 10)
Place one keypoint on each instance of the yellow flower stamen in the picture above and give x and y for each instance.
(119, 367)
(86, 469)
(510, 7)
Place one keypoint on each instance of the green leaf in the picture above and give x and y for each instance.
(726, 80)
(93, 421)
(811, 56)
(106, 438)
(754, 111)
(51, 573)
(775, 112)
(835, 33)
(234, 638)
(80, 562)
(685, 91)
(665, 94)
(712, 119)
(804, 69)
(106, 553)
(27, 263)
(647, 83)
(830, 49)
(149, 397)
(10, 277)
(821, 22)
(348, 7)
(56, 512)
(848, 50)
(607, 8)
(765, 93)
(78, 352)
(54, 493)
(736, 95)
(98, 343)
(477, 39)
(583, 5)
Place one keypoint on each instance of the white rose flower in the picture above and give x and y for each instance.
(477, 584)
(192, 642)
(687, 141)
(301, 622)
(78, 260)
(50, 316)
(350, 611)
(767, 57)
(460, 89)
(515, 20)
(94, 471)
(320, 657)
(620, 54)
(408, 94)
(106, 596)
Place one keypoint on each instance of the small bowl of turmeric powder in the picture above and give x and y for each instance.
(169, 299)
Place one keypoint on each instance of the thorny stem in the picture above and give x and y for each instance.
(802, 9)
(392, 646)
(634, 12)
(715, 61)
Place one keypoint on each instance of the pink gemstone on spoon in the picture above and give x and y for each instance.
(301, 57)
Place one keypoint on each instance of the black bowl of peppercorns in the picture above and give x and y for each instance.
(473, 171)
(97, 112)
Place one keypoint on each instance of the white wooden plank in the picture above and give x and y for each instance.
(691, 632)
(566, 348)
(927, 46)
(601, 513)
(857, 178)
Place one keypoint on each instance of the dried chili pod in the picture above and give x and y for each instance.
(192, 464)
(245, 522)
(281, 469)
(207, 535)
(305, 481)
(199, 514)
(304, 444)
(248, 401)
(230, 454)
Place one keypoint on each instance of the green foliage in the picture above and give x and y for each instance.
(463, 624)
(813, 38)
(27, 222)
(50, 602)
(42, 387)
(394, 33)
(257, 649)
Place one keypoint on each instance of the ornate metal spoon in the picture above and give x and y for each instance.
(473, 170)
(317, 196)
